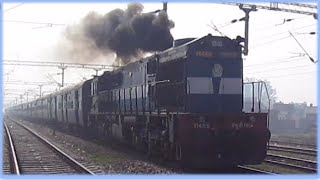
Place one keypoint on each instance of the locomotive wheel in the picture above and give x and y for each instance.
(135, 141)
(104, 129)
(165, 150)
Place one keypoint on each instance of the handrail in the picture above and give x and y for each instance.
(259, 94)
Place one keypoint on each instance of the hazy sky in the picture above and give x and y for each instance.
(273, 54)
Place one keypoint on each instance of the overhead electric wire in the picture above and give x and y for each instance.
(285, 32)
(265, 28)
(276, 61)
(33, 22)
(215, 28)
(274, 40)
(281, 68)
(268, 42)
(290, 75)
(311, 59)
(6, 10)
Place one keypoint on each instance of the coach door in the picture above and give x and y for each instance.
(55, 108)
(66, 105)
(62, 107)
(49, 108)
(76, 103)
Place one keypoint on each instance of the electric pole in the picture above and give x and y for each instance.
(27, 93)
(97, 70)
(40, 89)
(246, 19)
(62, 67)
(165, 4)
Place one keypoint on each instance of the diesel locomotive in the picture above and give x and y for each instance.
(183, 104)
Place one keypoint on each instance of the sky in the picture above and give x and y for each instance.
(274, 55)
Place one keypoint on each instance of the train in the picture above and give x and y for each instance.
(183, 104)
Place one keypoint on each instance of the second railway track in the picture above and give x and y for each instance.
(299, 150)
(295, 163)
(38, 156)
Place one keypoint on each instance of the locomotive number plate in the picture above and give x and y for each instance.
(241, 125)
(201, 125)
(206, 54)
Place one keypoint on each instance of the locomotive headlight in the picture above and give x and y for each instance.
(219, 156)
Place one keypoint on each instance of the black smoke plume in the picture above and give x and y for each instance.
(127, 33)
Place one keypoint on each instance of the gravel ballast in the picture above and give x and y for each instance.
(100, 159)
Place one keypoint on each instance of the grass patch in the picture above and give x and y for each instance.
(105, 158)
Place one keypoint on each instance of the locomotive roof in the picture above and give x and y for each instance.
(191, 42)
(163, 53)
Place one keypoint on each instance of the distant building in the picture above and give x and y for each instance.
(310, 120)
(292, 117)
(311, 113)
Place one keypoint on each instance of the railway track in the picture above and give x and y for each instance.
(250, 170)
(225, 170)
(235, 170)
(291, 162)
(298, 150)
(292, 144)
(10, 161)
(36, 155)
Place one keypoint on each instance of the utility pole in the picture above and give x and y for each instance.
(246, 19)
(20, 99)
(40, 89)
(165, 7)
(62, 67)
(27, 93)
(97, 70)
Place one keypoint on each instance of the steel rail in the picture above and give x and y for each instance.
(293, 144)
(292, 158)
(292, 166)
(66, 157)
(303, 151)
(255, 170)
(14, 160)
